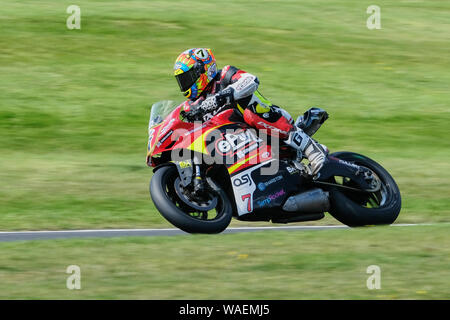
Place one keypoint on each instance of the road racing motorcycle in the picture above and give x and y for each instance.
(207, 173)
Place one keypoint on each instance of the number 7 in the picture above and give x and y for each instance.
(249, 202)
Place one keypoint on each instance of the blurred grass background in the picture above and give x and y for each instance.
(74, 107)
(74, 104)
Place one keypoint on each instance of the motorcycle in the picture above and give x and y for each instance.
(207, 173)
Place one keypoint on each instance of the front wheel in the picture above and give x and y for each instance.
(352, 209)
(210, 214)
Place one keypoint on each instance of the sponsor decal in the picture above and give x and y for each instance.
(268, 126)
(166, 127)
(240, 143)
(349, 164)
(243, 180)
(160, 142)
(245, 82)
(150, 138)
(184, 164)
(263, 185)
(196, 128)
(244, 193)
(270, 198)
(297, 139)
(241, 153)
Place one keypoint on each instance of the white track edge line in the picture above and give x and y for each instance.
(174, 229)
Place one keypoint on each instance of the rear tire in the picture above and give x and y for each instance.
(353, 214)
(163, 199)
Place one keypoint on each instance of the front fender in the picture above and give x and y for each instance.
(185, 170)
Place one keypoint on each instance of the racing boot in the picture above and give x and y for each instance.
(311, 120)
(306, 146)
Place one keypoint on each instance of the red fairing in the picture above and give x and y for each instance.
(280, 128)
(222, 117)
(173, 133)
(164, 134)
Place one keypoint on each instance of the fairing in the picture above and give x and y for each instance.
(226, 141)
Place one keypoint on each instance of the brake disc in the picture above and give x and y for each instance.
(188, 199)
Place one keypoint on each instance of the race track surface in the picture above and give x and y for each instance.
(65, 234)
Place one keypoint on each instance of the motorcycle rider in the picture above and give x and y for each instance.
(210, 91)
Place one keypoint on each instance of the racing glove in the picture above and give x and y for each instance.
(194, 114)
(218, 100)
(209, 104)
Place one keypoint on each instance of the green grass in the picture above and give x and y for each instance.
(74, 104)
(263, 265)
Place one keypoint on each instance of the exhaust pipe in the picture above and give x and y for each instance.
(311, 201)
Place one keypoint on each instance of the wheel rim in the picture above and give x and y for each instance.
(210, 210)
(371, 200)
(206, 202)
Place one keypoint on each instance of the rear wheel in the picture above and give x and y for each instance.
(210, 213)
(359, 209)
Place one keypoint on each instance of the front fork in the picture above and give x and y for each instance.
(190, 172)
(198, 182)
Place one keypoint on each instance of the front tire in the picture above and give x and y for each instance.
(171, 207)
(350, 211)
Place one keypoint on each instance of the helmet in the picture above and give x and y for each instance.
(194, 69)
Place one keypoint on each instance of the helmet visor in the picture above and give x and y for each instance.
(187, 79)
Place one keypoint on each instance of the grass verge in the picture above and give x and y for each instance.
(327, 264)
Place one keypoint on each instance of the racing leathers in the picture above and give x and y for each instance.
(234, 88)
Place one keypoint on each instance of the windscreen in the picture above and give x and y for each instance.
(160, 111)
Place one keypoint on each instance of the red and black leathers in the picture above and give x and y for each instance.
(237, 89)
